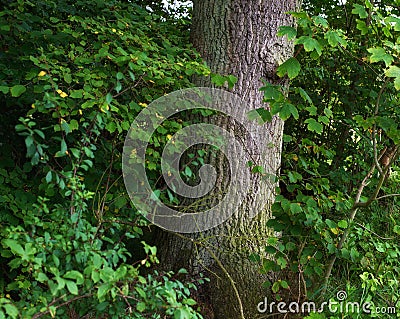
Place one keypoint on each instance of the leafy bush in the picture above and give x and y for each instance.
(337, 203)
(74, 74)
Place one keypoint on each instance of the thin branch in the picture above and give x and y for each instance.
(372, 232)
(386, 196)
(40, 314)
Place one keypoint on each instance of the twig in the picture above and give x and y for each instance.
(372, 232)
(40, 314)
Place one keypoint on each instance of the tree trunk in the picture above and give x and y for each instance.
(238, 37)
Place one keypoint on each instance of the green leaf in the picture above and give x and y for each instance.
(394, 21)
(334, 38)
(320, 21)
(310, 44)
(314, 126)
(261, 115)
(14, 246)
(281, 261)
(360, 10)
(76, 94)
(17, 90)
(218, 80)
(290, 32)
(120, 76)
(312, 110)
(305, 96)
(102, 291)
(68, 78)
(362, 26)
(111, 127)
(182, 313)
(315, 315)
(63, 146)
(342, 224)
(48, 177)
(73, 125)
(231, 81)
(275, 287)
(394, 72)
(379, 54)
(295, 208)
(4, 89)
(272, 92)
(287, 110)
(11, 310)
(284, 284)
(73, 274)
(109, 98)
(188, 171)
(290, 67)
(72, 287)
(141, 306)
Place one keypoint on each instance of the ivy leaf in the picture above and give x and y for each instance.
(231, 81)
(17, 90)
(218, 80)
(284, 284)
(291, 67)
(314, 126)
(394, 72)
(379, 54)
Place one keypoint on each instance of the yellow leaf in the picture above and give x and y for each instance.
(335, 231)
(42, 73)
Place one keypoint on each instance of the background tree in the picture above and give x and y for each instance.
(238, 38)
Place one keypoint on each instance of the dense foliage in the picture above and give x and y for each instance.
(337, 209)
(74, 74)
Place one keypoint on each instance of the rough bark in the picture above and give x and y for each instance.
(237, 37)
